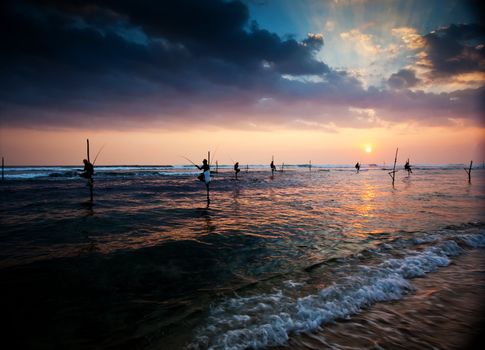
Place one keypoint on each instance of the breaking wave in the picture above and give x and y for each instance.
(268, 319)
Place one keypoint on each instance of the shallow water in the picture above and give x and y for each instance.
(271, 261)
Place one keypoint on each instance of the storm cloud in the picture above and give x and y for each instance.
(129, 64)
(456, 49)
(404, 78)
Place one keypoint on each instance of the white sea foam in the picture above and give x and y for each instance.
(474, 240)
(178, 173)
(292, 284)
(25, 176)
(267, 319)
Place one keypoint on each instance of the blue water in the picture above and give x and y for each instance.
(272, 258)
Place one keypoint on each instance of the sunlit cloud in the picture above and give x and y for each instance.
(364, 43)
(410, 37)
(323, 67)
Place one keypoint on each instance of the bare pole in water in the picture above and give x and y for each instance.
(207, 183)
(392, 173)
(3, 164)
(310, 165)
(247, 168)
(90, 180)
(469, 172)
(217, 167)
(282, 167)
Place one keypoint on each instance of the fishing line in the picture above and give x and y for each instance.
(97, 154)
(190, 161)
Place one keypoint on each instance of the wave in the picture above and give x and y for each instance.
(26, 173)
(268, 319)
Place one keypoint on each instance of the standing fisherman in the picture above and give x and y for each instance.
(88, 173)
(205, 176)
(236, 169)
(88, 170)
(273, 168)
(357, 166)
(407, 167)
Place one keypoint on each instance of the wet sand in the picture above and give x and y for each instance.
(447, 311)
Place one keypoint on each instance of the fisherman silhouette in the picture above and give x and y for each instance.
(236, 168)
(357, 166)
(205, 176)
(273, 168)
(88, 170)
(407, 167)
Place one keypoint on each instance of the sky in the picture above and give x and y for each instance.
(335, 81)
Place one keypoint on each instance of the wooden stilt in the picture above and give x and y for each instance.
(207, 184)
(208, 197)
(90, 179)
(217, 167)
(310, 165)
(87, 142)
(282, 167)
(392, 173)
(469, 172)
(3, 165)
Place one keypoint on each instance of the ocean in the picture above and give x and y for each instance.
(320, 259)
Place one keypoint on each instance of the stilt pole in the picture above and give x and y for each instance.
(392, 173)
(310, 165)
(208, 197)
(3, 164)
(87, 143)
(207, 183)
(90, 180)
(469, 172)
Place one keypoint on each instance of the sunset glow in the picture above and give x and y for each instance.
(300, 80)
(242, 174)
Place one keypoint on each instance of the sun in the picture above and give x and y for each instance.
(368, 149)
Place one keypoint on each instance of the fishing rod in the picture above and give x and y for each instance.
(190, 161)
(97, 154)
(213, 155)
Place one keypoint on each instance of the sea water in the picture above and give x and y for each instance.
(326, 258)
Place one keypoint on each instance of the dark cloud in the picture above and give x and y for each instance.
(403, 79)
(90, 57)
(125, 64)
(456, 49)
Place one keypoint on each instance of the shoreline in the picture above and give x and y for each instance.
(446, 311)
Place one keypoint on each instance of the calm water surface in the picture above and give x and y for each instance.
(273, 261)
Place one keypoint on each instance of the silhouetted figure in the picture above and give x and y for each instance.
(88, 170)
(407, 167)
(88, 173)
(236, 169)
(205, 176)
(357, 166)
(273, 168)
